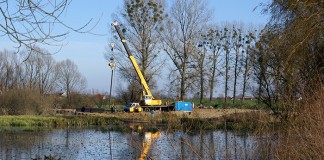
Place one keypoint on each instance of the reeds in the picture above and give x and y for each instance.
(303, 138)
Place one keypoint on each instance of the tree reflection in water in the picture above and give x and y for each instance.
(94, 143)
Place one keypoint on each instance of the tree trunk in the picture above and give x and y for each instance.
(201, 85)
(212, 80)
(183, 74)
(201, 63)
(245, 74)
(226, 74)
(182, 85)
(235, 73)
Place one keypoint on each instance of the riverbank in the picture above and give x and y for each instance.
(198, 119)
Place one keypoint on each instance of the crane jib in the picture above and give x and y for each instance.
(123, 40)
(134, 63)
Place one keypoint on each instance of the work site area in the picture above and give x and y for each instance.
(161, 79)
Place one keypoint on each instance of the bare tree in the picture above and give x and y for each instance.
(129, 94)
(37, 72)
(215, 47)
(248, 57)
(187, 18)
(32, 67)
(227, 49)
(237, 44)
(29, 23)
(48, 76)
(207, 60)
(69, 78)
(140, 22)
(11, 71)
(200, 57)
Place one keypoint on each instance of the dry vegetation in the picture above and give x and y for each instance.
(215, 114)
(218, 113)
(304, 138)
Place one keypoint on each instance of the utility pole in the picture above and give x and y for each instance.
(112, 65)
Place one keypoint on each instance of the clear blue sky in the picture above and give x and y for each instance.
(87, 50)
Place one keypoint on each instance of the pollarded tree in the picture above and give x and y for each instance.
(248, 51)
(140, 23)
(207, 60)
(237, 44)
(199, 62)
(215, 49)
(187, 18)
(227, 50)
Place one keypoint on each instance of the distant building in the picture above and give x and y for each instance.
(62, 94)
(248, 98)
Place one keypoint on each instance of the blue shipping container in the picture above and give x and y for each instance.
(183, 106)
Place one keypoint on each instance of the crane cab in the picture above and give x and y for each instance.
(147, 100)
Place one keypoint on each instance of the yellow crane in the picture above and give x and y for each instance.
(148, 140)
(147, 97)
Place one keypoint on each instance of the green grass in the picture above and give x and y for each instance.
(118, 107)
(217, 103)
(56, 121)
(17, 121)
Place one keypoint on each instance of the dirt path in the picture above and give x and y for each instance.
(217, 113)
(197, 113)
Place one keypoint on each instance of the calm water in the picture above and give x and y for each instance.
(92, 143)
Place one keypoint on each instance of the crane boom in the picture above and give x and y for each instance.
(148, 98)
(148, 141)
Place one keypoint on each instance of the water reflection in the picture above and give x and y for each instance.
(92, 143)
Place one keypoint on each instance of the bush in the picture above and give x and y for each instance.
(77, 101)
(25, 102)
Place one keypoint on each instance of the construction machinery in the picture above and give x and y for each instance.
(133, 107)
(148, 102)
(147, 97)
(149, 138)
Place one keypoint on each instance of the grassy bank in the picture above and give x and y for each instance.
(56, 121)
(200, 119)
